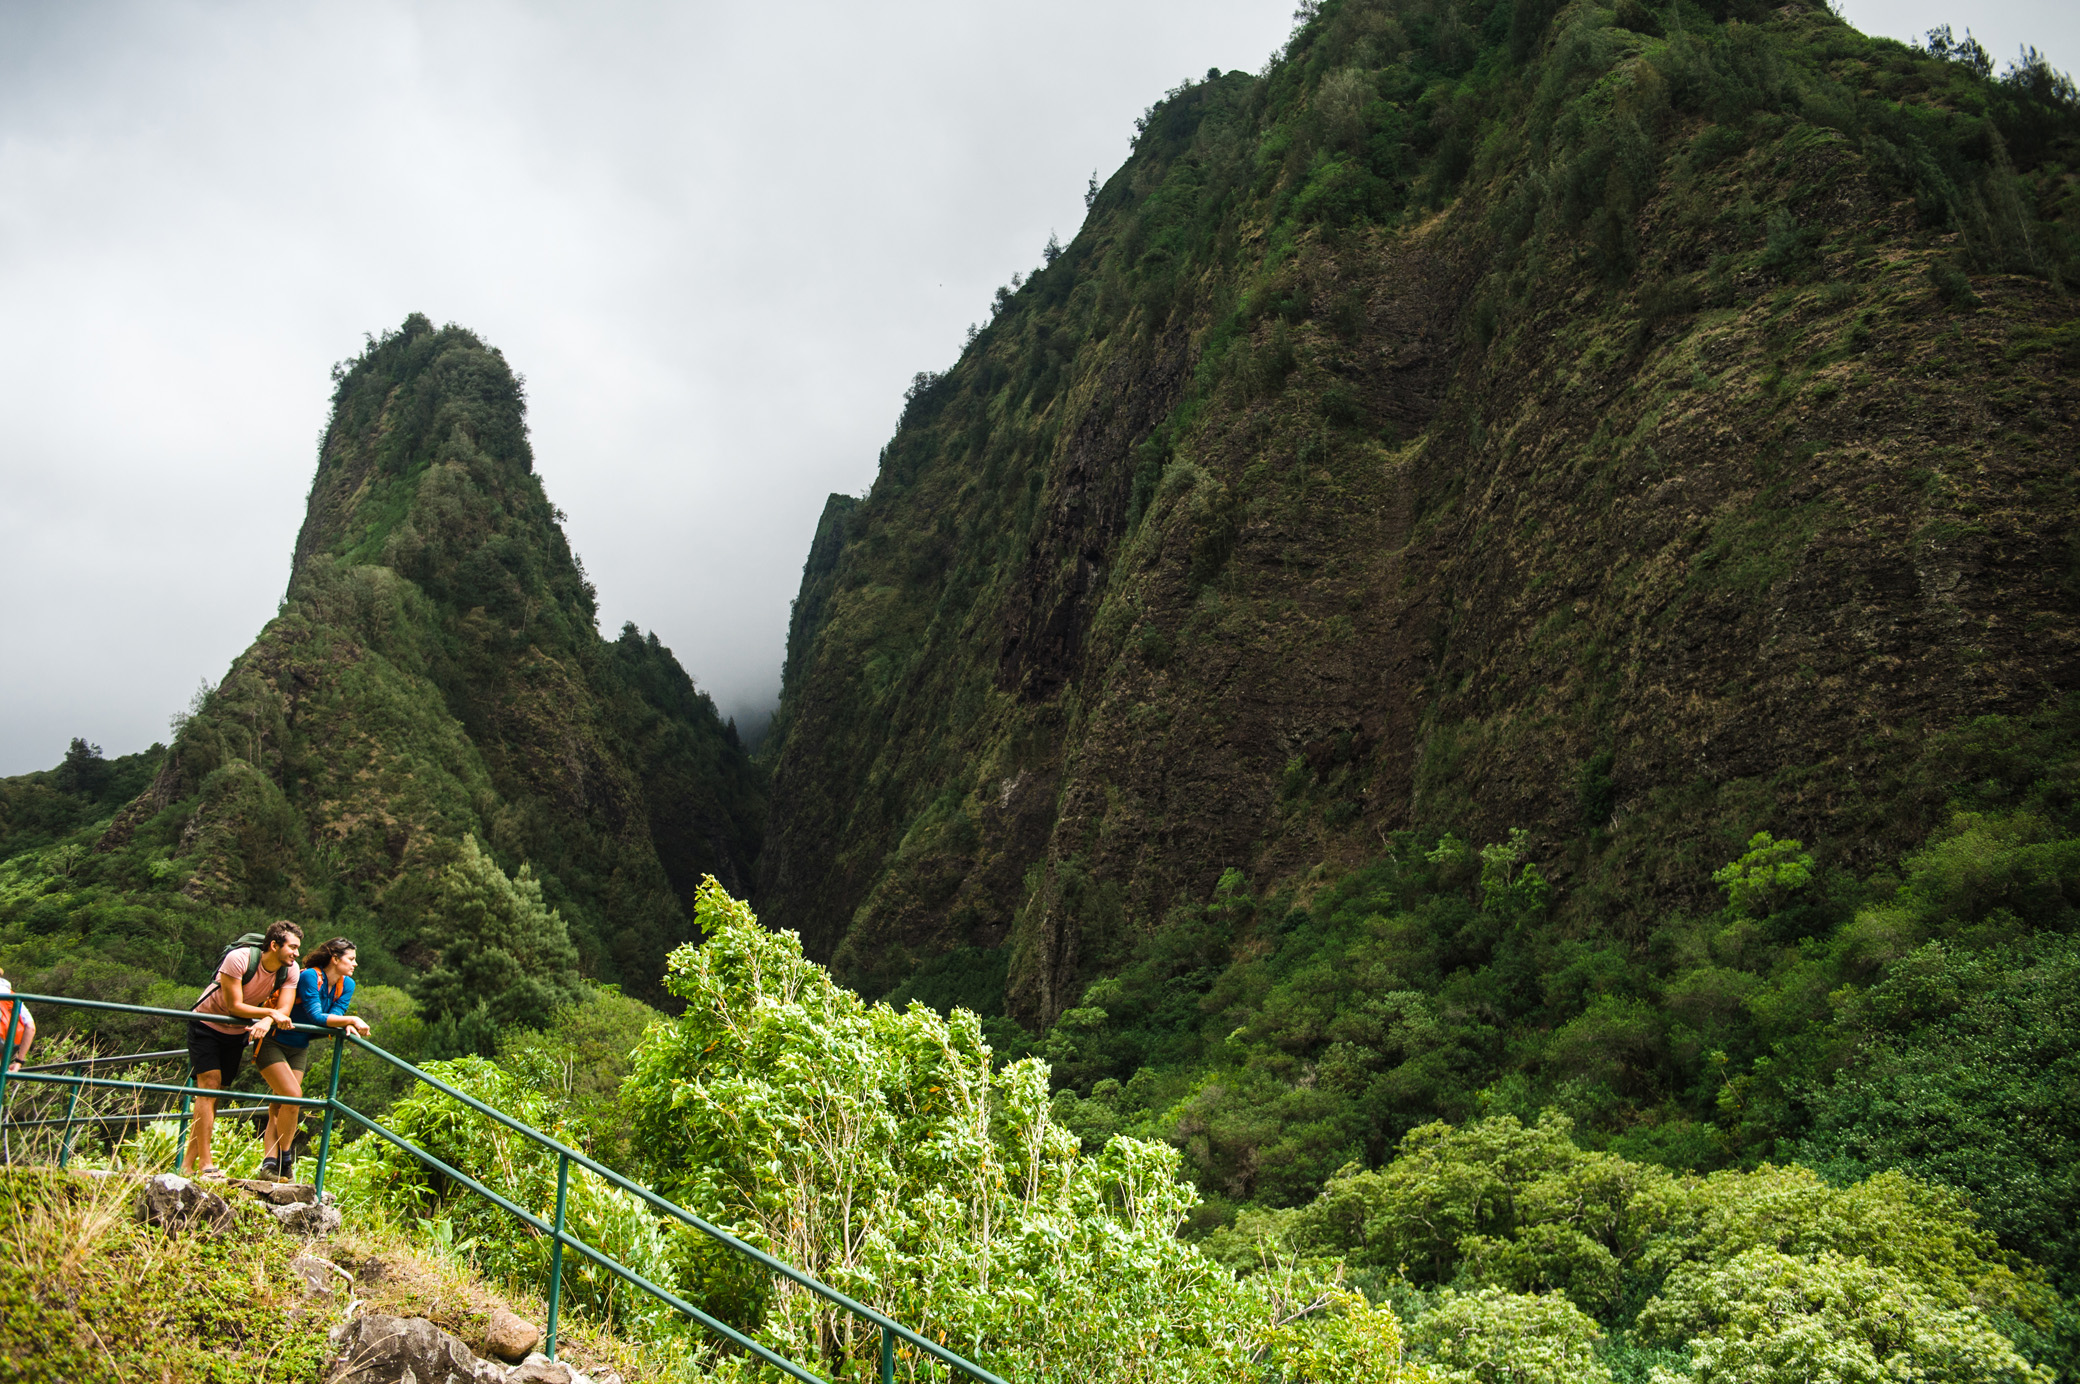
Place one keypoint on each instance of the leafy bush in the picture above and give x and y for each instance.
(1771, 1318)
(889, 1156)
(1507, 1245)
(1493, 1336)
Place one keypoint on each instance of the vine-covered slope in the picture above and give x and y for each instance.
(1643, 425)
(434, 675)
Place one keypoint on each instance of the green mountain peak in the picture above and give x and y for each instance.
(434, 680)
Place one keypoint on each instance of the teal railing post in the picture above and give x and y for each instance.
(563, 1180)
(65, 1144)
(888, 1356)
(339, 1047)
(180, 1143)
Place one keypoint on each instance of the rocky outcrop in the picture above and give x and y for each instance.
(379, 1349)
(175, 1204)
(405, 1350)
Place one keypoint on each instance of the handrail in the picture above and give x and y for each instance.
(891, 1330)
(126, 1060)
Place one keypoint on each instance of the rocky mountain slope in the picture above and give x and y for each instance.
(434, 676)
(1642, 425)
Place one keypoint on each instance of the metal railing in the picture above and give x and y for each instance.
(891, 1330)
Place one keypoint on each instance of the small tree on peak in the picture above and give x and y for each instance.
(83, 770)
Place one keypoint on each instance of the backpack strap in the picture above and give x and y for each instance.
(217, 979)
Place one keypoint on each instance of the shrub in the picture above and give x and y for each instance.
(888, 1155)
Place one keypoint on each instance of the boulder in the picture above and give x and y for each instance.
(307, 1218)
(510, 1336)
(282, 1193)
(173, 1203)
(379, 1349)
(540, 1369)
(319, 1275)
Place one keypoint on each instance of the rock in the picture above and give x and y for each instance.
(173, 1203)
(307, 1219)
(540, 1369)
(283, 1193)
(318, 1275)
(510, 1336)
(379, 1349)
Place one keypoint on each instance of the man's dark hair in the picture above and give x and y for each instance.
(282, 931)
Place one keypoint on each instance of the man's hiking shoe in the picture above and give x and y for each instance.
(270, 1171)
(286, 1167)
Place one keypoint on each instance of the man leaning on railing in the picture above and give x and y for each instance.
(255, 985)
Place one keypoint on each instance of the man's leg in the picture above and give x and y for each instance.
(203, 1126)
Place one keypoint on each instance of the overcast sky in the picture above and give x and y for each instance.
(717, 241)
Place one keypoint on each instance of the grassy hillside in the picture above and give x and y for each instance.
(430, 749)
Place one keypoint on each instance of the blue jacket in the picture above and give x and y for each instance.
(314, 1004)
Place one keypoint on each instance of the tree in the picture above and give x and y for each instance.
(83, 770)
(1492, 1336)
(1760, 881)
(504, 950)
(1768, 1317)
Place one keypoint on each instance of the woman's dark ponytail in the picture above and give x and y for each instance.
(327, 953)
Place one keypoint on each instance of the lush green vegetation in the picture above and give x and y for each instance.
(1919, 1017)
(888, 1154)
(87, 1292)
(894, 1155)
(1465, 592)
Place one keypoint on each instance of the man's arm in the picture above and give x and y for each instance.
(233, 988)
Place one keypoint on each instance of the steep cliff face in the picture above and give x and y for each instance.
(435, 673)
(1639, 426)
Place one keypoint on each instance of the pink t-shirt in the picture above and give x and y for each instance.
(259, 988)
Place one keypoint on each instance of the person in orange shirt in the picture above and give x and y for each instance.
(16, 1013)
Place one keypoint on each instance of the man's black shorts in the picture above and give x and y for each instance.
(211, 1051)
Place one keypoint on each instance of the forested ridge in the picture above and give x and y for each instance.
(1642, 430)
(1451, 747)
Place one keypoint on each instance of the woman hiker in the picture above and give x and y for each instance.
(255, 983)
(323, 992)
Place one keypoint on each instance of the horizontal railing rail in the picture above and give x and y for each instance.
(140, 1117)
(129, 1059)
(891, 1331)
